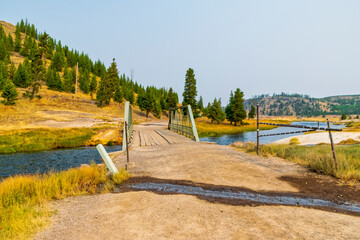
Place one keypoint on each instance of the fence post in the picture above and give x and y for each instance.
(126, 116)
(332, 145)
(258, 130)
(127, 145)
(105, 156)
(193, 124)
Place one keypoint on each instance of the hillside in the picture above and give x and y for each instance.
(304, 105)
(49, 110)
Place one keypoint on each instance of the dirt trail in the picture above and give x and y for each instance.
(148, 215)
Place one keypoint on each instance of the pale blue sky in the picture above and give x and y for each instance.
(310, 47)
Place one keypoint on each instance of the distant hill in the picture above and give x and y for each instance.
(305, 106)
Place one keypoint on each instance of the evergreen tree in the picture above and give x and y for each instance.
(10, 43)
(93, 86)
(17, 44)
(252, 112)
(171, 99)
(200, 104)
(68, 80)
(190, 91)
(53, 80)
(118, 97)
(239, 112)
(26, 47)
(37, 69)
(9, 94)
(84, 81)
(147, 102)
(4, 54)
(157, 109)
(343, 116)
(3, 75)
(12, 71)
(22, 78)
(229, 110)
(103, 94)
(215, 112)
(163, 104)
(58, 60)
(112, 78)
(43, 44)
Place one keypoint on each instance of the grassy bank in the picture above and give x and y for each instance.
(207, 129)
(23, 199)
(28, 140)
(318, 158)
(43, 139)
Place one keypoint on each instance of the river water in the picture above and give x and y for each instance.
(45, 161)
(251, 136)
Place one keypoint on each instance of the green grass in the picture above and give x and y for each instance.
(318, 158)
(43, 139)
(23, 199)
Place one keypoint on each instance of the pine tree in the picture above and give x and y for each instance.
(84, 81)
(58, 60)
(229, 110)
(93, 86)
(43, 44)
(4, 54)
(147, 102)
(171, 99)
(17, 44)
(68, 80)
(53, 80)
(10, 42)
(200, 104)
(215, 112)
(118, 97)
(252, 113)
(26, 47)
(103, 94)
(239, 112)
(12, 71)
(112, 78)
(190, 91)
(3, 75)
(37, 69)
(9, 94)
(157, 109)
(22, 78)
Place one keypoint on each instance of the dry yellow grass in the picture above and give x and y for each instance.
(206, 129)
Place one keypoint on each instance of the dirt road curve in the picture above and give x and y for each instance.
(130, 214)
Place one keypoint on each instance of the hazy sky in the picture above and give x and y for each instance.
(310, 47)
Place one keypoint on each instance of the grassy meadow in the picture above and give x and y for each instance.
(207, 129)
(318, 158)
(24, 207)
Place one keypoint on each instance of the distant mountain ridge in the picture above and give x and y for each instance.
(305, 106)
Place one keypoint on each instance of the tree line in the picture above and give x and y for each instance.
(48, 62)
(234, 112)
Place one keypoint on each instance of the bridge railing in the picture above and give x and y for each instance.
(181, 121)
(128, 125)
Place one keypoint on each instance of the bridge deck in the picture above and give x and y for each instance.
(156, 134)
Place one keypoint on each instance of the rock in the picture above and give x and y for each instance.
(84, 165)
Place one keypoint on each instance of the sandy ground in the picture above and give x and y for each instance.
(321, 137)
(149, 215)
(144, 215)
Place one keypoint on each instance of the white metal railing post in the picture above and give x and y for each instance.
(126, 119)
(105, 156)
(193, 124)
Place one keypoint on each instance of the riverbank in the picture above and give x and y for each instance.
(318, 158)
(24, 208)
(29, 140)
(207, 129)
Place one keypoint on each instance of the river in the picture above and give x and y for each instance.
(45, 161)
(251, 136)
